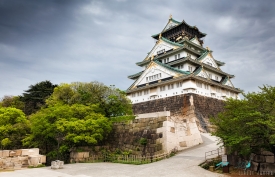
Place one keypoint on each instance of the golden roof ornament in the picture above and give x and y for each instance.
(207, 48)
(159, 35)
(170, 16)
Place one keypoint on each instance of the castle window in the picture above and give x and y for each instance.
(139, 93)
(217, 78)
(159, 75)
(170, 86)
(133, 95)
(162, 88)
(210, 75)
(206, 86)
(161, 51)
(146, 79)
(199, 84)
(146, 92)
(179, 84)
(210, 64)
(190, 68)
(178, 56)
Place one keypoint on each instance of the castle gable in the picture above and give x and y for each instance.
(200, 72)
(155, 72)
(227, 81)
(171, 24)
(209, 60)
(162, 46)
(196, 41)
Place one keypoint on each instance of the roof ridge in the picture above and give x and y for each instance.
(136, 74)
(175, 21)
(170, 42)
(203, 55)
(171, 68)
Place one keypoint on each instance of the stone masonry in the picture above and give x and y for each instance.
(172, 123)
(204, 107)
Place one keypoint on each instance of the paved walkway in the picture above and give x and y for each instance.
(183, 164)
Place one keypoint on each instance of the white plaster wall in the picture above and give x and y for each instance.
(176, 133)
(196, 42)
(185, 67)
(214, 75)
(188, 86)
(150, 73)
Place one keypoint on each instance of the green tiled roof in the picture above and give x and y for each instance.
(225, 80)
(135, 75)
(144, 62)
(175, 21)
(178, 23)
(171, 68)
(170, 42)
(220, 63)
(198, 70)
(203, 55)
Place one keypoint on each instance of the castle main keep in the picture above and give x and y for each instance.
(182, 85)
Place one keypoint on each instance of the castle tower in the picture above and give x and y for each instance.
(180, 64)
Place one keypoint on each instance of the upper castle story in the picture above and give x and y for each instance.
(178, 63)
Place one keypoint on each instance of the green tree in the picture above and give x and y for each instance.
(35, 97)
(58, 128)
(13, 127)
(112, 101)
(12, 101)
(248, 125)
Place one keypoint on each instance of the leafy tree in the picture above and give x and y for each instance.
(64, 126)
(12, 101)
(112, 101)
(35, 97)
(13, 127)
(248, 125)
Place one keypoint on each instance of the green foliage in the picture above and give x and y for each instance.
(5, 142)
(122, 118)
(111, 101)
(64, 126)
(143, 141)
(38, 166)
(13, 127)
(35, 97)
(248, 125)
(12, 101)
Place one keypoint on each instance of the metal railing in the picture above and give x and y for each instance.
(219, 151)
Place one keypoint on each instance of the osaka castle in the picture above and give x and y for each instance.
(180, 64)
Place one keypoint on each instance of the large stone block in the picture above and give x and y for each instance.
(267, 167)
(254, 166)
(5, 153)
(183, 144)
(259, 158)
(18, 152)
(269, 159)
(266, 153)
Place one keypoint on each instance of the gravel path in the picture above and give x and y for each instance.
(183, 164)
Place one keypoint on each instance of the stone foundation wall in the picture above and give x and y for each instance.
(261, 162)
(167, 124)
(204, 107)
(127, 136)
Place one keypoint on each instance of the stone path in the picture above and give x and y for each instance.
(183, 164)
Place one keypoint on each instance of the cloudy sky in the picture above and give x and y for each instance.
(91, 40)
